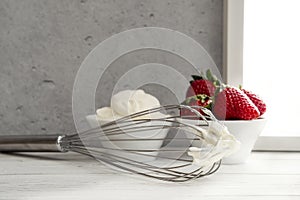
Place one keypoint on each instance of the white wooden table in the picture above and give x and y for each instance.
(73, 176)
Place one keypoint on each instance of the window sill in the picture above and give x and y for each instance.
(277, 143)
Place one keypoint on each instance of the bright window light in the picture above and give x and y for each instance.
(272, 61)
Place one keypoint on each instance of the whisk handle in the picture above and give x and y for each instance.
(31, 143)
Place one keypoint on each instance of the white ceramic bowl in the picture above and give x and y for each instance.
(111, 143)
(247, 132)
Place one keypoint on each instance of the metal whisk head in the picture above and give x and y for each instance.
(156, 143)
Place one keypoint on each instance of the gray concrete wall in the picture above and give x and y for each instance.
(43, 42)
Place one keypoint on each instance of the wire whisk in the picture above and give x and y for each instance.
(157, 143)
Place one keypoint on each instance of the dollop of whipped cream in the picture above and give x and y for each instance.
(125, 103)
(220, 141)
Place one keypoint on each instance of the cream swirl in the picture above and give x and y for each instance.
(125, 103)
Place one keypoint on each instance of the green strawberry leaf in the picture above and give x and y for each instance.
(209, 75)
(217, 83)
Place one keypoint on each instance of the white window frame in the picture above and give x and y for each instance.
(233, 32)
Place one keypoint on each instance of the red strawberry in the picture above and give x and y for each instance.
(201, 87)
(232, 103)
(260, 104)
(197, 100)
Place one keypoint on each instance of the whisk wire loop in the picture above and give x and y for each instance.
(135, 143)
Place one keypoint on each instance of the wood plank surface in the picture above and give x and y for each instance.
(267, 175)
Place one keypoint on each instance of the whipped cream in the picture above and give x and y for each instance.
(217, 137)
(107, 114)
(125, 103)
(131, 101)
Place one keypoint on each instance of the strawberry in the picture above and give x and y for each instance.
(197, 100)
(260, 104)
(203, 85)
(232, 103)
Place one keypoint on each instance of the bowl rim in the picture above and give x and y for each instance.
(260, 119)
(233, 120)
